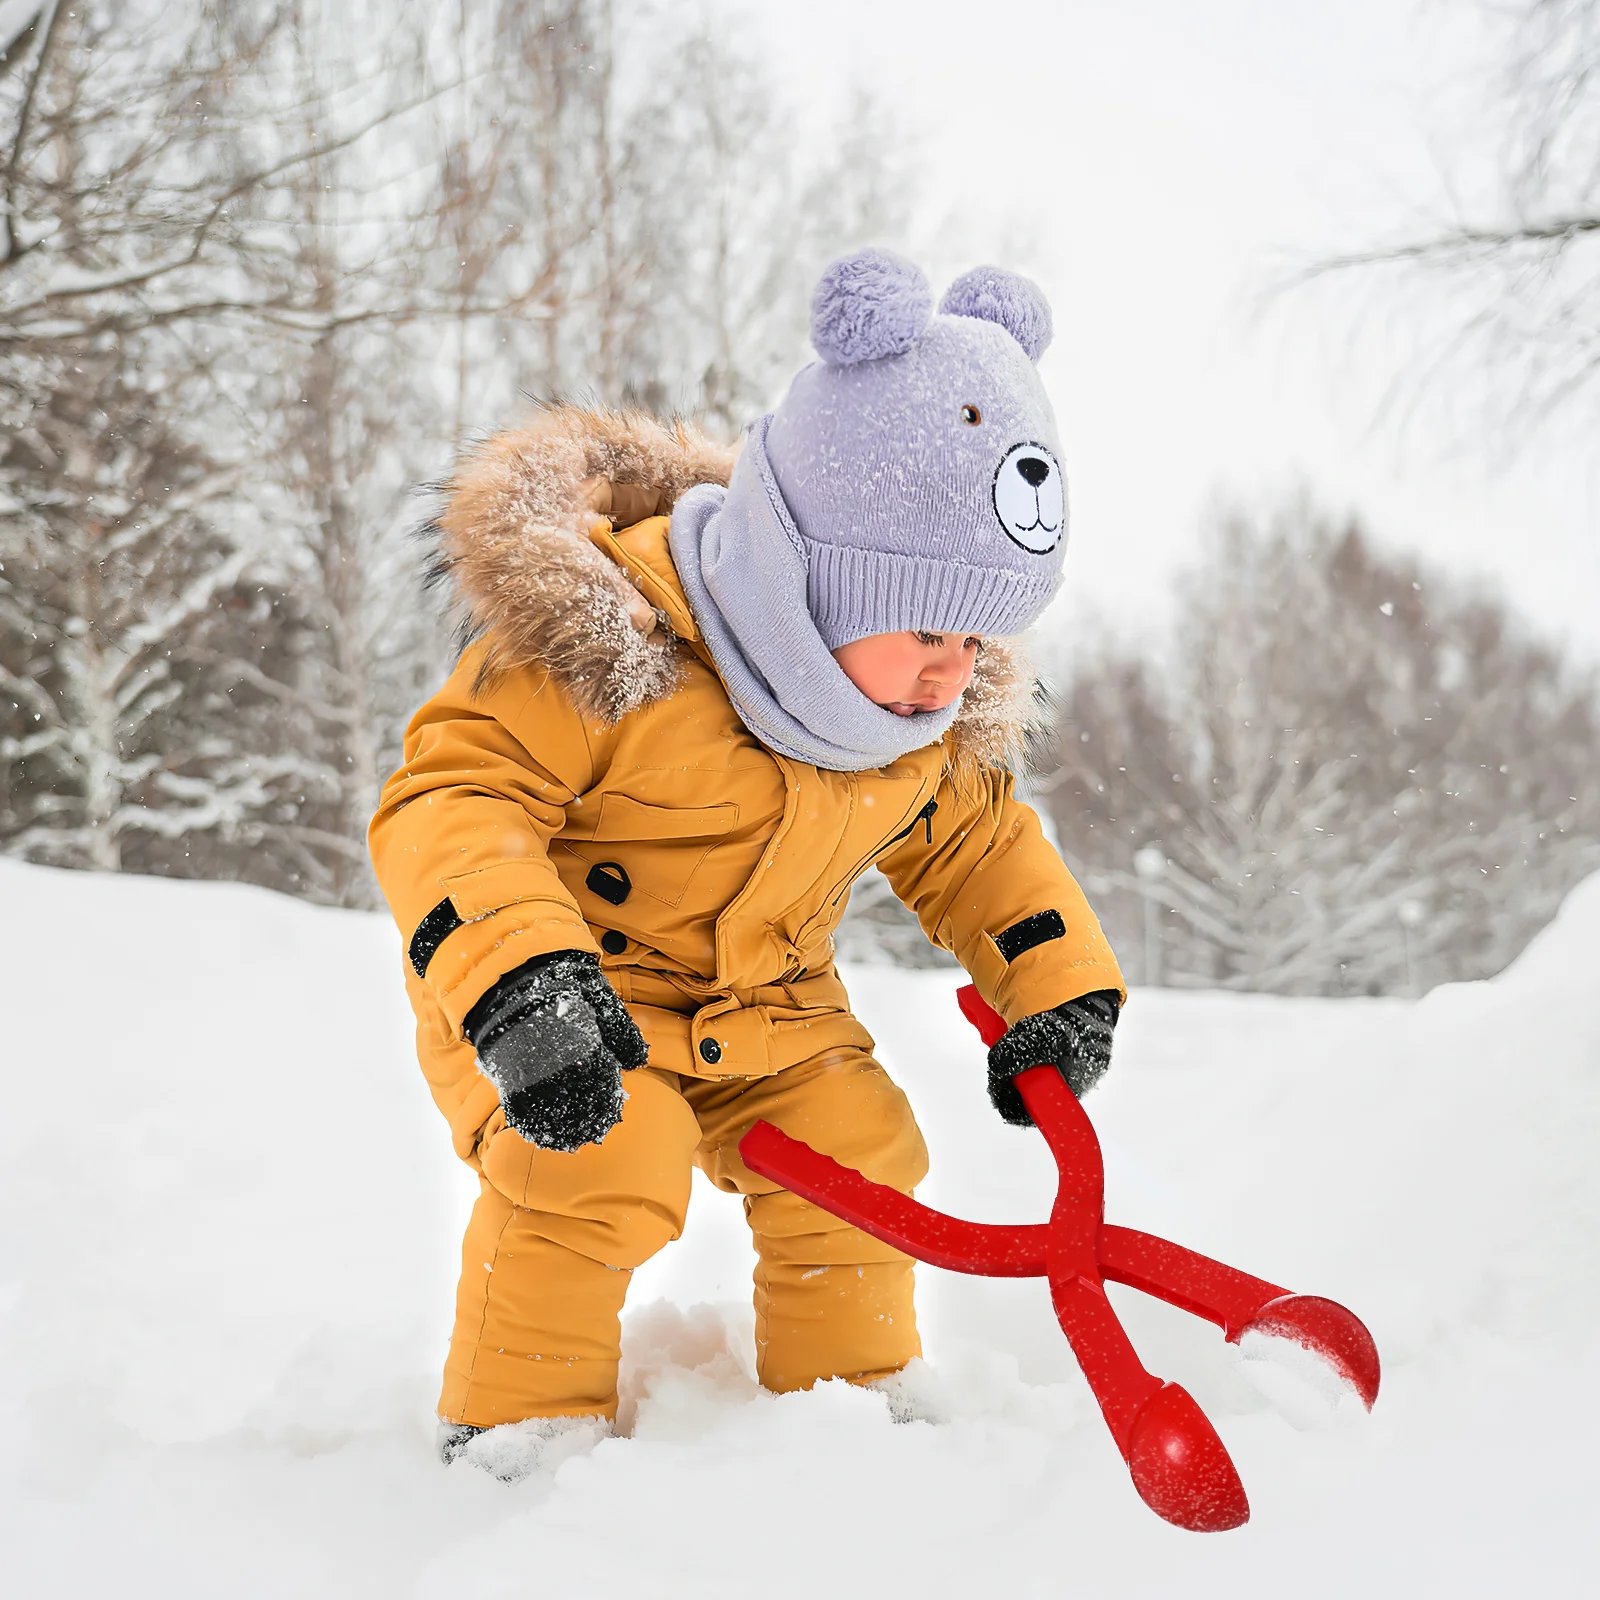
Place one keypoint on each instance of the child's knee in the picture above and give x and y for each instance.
(873, 1129)
(842, 1103)
(851, 1110)
(617, 1202)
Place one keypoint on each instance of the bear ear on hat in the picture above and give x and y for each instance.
(995, 295)
(869, 304)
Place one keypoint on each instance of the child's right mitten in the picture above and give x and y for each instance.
(554, 1039)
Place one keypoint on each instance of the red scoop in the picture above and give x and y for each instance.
(1178, 1464)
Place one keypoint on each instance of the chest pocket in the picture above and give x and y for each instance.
(863, 843)
(659, 847)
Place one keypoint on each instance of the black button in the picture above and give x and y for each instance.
(710, 1051)
(613, 943)
(609, 880)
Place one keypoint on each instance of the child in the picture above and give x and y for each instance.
(704, 695)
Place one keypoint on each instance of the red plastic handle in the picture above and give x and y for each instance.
(985, 1249)
(1178, 1464)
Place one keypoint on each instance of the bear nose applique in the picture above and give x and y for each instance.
(1030, 500)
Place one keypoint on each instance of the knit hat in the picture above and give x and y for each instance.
(909, 480)
(918, 460)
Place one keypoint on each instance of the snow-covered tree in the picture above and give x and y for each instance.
(283, 258)
(1350, 776)
(156, 658)
(635, 209)
(120, 602)
(722, 317)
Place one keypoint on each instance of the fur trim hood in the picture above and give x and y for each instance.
(517, 547)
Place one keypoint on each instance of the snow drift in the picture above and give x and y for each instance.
(227, 1253)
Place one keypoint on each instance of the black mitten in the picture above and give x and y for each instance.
(554, 1039)
(1075, 1037)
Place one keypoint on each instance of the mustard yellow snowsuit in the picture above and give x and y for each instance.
(582, 782)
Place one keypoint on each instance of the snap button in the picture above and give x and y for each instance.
(613, 943)
(710, 1051)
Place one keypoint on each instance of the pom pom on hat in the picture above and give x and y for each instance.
(995, 295)
(869, 304)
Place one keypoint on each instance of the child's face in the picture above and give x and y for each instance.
(909, 672)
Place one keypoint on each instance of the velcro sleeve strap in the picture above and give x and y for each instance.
(1040, 928)
(431, 932)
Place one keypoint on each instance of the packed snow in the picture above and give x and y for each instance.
(227, 1257)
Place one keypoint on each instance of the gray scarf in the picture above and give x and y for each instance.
(743, 569)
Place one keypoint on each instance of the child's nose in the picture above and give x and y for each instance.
(945, 670)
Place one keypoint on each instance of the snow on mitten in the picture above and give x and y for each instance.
(554, 1040)
(1075, 1038)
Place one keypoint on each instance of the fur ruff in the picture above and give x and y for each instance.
(513, 546)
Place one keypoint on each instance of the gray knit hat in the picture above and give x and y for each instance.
(909, 480)
(919, 458)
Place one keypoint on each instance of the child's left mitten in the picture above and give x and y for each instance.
(1075, 1038)
(554, 1039)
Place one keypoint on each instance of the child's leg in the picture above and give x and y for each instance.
(831, 1302)
(549, 1252)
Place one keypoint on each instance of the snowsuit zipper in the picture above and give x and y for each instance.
(924, 816)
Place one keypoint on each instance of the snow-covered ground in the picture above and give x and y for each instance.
(227, 1250)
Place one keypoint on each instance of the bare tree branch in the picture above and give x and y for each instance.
(19, 138)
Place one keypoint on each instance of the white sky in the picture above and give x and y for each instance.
(1165, 157)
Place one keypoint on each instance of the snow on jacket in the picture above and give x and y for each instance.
(582, 782)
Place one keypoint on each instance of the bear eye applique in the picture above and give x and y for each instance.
(971, 415)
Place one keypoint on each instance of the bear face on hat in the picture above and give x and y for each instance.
(918, 459)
